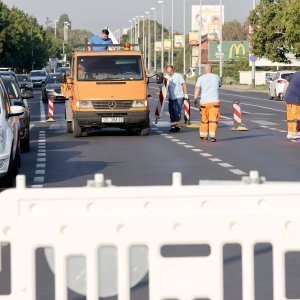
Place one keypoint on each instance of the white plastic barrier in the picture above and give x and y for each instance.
(79, 221)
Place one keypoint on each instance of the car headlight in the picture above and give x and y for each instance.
(139, 103)
(84, 104)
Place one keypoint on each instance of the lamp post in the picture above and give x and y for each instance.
(154, 21)
(253, 62)
(184, 37)
(138, 28)
(200, 38)
(172, 33)
(162, 34)
(55, 27)
(149, 41)
(130, 21)
(221, 40)
(66, 24)
(143, 33)
(134, 30)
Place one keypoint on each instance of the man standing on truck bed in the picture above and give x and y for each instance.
(100, 39)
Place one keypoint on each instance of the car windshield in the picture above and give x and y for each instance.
(286, 76)
(23, 78)
(37, 73)
(102, 68)
(12, 90)
(53, 78)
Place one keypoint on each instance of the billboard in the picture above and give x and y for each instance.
(167, 44)
(231, 50)
(210, 15)
(194, 38)
(178, 41)
(158, 46)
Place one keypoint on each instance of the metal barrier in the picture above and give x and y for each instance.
(169, 240)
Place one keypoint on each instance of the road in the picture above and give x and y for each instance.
(58, 159)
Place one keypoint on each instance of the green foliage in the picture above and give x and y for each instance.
(234, 31)
(276, 26)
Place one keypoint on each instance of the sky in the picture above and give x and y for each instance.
(93, 15)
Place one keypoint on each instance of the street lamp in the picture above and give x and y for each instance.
(66, 24)
(200, 38)
(172, 32)
(137, 29)
(143, 33)
(149, 41)
(184, 37)
(130, 21)
(154, 20)
(134, 30)
(221, 41)
(253, 63)
(55, 27)
(162, 34)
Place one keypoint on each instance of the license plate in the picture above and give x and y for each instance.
(112, 120)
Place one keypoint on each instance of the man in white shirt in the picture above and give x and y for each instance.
(177, 92)
(208, 86)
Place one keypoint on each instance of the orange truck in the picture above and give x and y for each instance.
(107, 89)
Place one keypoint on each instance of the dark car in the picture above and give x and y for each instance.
(25, 85)
(10, 73)
(52, 89)
(17, 99)
(38, 77)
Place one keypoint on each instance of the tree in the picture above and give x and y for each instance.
(234, 31)
(276, 29)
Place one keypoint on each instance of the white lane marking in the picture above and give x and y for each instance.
(41, 154)
(37, 186)
(41, 146)
(264, 122)
(38, 166)
(41, 159)
(230, 123)
(175, 140)
(237, 171)
(169, 137)
(42, 131)
(205, 154)
(40, 172)
(215, 159)
(43, 114)
(39, 179)
(259, 106)
(181, 143)
(242, 96)
(188, 146)
(42, 140)
(41, 150)
(196, 150)
(225, 165)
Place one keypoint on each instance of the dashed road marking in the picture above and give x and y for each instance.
(225, 165)
(205, 154)
(237, 171)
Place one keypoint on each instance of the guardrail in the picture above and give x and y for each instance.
(169, 241)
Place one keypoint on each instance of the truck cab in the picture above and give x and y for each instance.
(107, 89)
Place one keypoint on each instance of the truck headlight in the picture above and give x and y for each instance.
(84, 104)
(139, 103)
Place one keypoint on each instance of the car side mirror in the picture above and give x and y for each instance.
(159, 78)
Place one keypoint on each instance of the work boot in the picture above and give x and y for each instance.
(204, 139)
(213, 140)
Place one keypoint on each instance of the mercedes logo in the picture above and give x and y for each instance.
(112, 104)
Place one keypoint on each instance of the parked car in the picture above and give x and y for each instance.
(9, 138)
(25, 85)
(38, 77)
(16, 98)
(276, 86)
(10, 73)
(52, 88)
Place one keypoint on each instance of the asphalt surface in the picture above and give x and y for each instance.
(57, 159)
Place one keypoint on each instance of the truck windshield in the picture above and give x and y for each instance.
(105, 68)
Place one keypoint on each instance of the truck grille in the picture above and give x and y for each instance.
(112, 104)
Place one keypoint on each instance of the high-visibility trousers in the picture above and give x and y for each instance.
(210, 114)
(293, 118)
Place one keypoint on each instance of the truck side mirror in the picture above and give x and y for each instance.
(159, 78)
(63, 78)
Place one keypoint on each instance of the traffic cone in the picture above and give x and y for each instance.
(237, 117)
(50, 110)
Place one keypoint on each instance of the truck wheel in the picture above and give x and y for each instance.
(76, 129)
(145, 131)
(69, 127)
